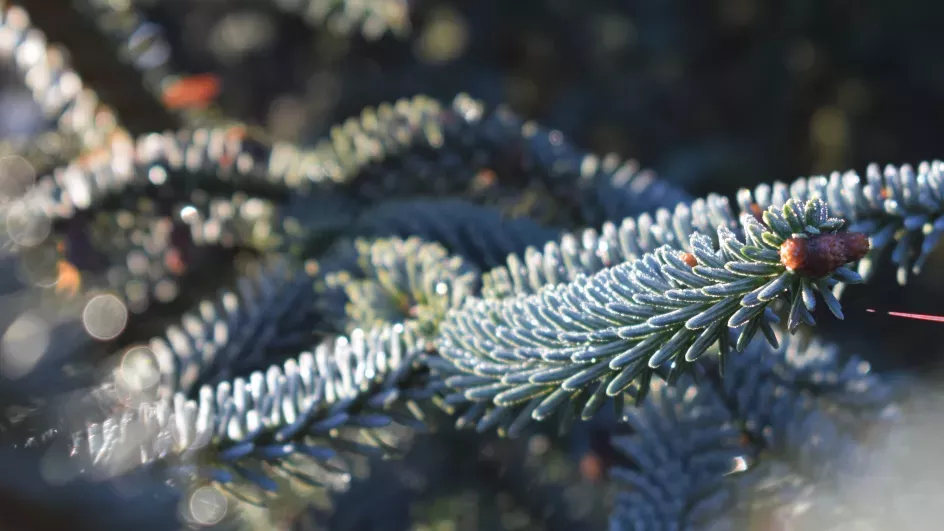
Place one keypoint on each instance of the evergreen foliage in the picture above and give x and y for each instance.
(450, 274)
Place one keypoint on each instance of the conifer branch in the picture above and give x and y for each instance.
(480, 235)
(570, 346)
(417, 145)
(900, 208)
(589, 250)
(268, 316)
(626, 189)
(780, 422)
(294, 422)
(141, 254)
(234, 221)
(683, 445)
(207, 159)
(240, 331)
(54, 85)
(370, 282)
(249, 431)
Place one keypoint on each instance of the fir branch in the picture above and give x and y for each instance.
(816, 421)
(366, 381)
(268, 316)
(684, 444)
(782, 422)
(413, 133)
(372, 374)
(54, 84)
(393, 281)
(227, 159)
(901, 208)
(589, 251)
(236, 221)
(625, 189)
(207, 159)
(480, 235)
(237, 332)
(294, 422)
(875, 210)
(377, 137)
(591, 317)
(419, 147)
(142, 255)
(570, 346)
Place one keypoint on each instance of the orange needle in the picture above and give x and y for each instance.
(917, 316)
(191, 92)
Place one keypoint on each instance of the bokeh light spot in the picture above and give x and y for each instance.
(139, 370)
(26, 225)
(39, 266)
(23, 345)
(207, 506)
(444, 38)
(105, 317)
(17, 177)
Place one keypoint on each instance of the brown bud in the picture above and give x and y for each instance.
(857, 245)
(689, 259)
(820, 255)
